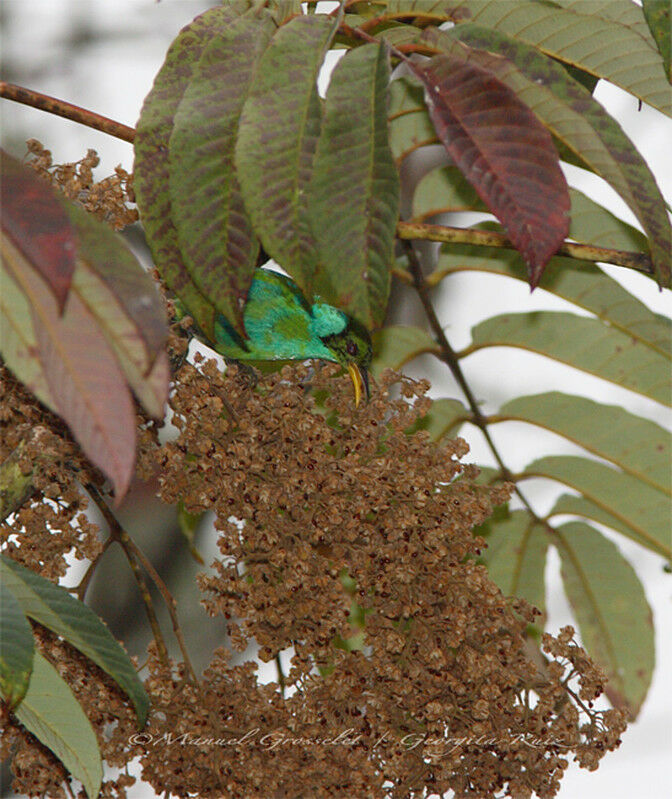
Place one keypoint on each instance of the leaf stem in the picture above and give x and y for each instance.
(449, 357)
(61, 108)
(639, 261)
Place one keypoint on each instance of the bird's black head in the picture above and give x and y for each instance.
(352, 349)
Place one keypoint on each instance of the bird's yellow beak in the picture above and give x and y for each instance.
(357, 382)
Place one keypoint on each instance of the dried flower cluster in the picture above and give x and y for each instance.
(111, 200)
(51, 523)
(346, 544)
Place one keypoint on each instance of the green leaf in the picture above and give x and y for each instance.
(279, 128)
(572, 505)
(51, 712)
(16, 648)
(354, 192)
(445, 417)
(657, 13)
(586, 344)
(576, 119)
(644, 512)
(584, 33)
(395, 345)
(591, 223)
(640, 447)
(151, 169)
(442, 191)
(409, 123)
(214, 231)
(516, 557)
(53, 607)
(613, 615)
(18, 345)
(580, 282)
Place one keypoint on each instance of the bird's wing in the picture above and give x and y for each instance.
(278, 323)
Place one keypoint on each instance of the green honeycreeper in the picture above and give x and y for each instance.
(281, 325)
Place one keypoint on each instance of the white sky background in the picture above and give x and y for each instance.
(113, 71)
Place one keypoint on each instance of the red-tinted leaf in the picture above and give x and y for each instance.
(82, 374)
(38, 225)
(505, 153)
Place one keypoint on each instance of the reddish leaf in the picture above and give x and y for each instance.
(84, 379)
(35, 220)
(504, 152)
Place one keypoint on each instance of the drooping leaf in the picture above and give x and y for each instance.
(38, 226)
(18, 345)
(576, 119)
(583, 343)
(354, 191)
(409, 123)
(638, 446)
(657, 13)
(151, 168)
(445, 417)
(580, 282)
(395, 345)
(612, 612)
(82, 374)
(644, 511)
(123, 334)
(504, 151)
(55, 608)
(131, 297)
(278, 132)
(51, 712)
(516, 557)
(214, 231)
(584, 33)
(572, 505)
(16, 648)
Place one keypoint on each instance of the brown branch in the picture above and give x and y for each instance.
(61, 108)
(639, 261)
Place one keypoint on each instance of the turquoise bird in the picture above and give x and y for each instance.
(281, 325)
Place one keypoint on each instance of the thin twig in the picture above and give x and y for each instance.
(118, 534)
(449, 357)
(281, 674)
(136, 556)
(61, 108)
(81, 589)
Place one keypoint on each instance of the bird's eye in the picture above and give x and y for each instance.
(352, 348)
